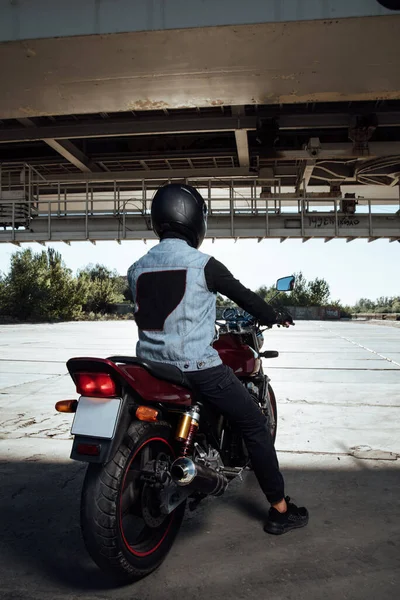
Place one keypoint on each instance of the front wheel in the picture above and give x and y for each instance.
(124, 530)
(270, 411)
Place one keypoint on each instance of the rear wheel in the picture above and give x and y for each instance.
(124, 530)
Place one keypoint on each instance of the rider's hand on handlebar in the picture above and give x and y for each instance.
(284, 318)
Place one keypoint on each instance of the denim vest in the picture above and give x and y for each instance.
(188, 331)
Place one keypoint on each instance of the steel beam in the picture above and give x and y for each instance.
(331, 121)
(67, 149)
(337, 150)
(304, 179)
(73, 155)
(162, 174)
(242, 145)
(172, 125)
(132, 127)
(242, 142)
(329, 151)
(308, 170)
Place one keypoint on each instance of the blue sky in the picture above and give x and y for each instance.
(353, 270)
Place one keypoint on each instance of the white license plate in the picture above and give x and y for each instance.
(96, 417)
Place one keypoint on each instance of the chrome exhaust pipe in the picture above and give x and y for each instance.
(197, 477)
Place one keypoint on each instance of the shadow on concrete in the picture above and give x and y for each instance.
(353, 538)
(39, 521)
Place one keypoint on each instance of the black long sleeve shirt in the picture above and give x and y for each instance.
(220, 279)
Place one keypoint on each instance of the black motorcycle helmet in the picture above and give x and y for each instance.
(180, 209)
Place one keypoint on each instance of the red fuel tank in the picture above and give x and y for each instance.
(239, 357)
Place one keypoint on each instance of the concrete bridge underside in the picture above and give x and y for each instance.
(266, 63)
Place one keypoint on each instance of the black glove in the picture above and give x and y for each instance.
(284, 318)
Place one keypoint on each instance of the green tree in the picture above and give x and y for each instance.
(2, 294)
(271, 296)
(66, 295)
(396, 305)
(300, 295)
(39, 286)
(305, 293)
(318, 292)
(103, 287)
(123, 288)
(364, 305)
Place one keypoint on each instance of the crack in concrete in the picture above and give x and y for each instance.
(34, 458)
(67, 481)
(9, 389)
(27, 423)
(18, 492)
(11, 426)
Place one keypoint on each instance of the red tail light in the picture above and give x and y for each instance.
(95, 384)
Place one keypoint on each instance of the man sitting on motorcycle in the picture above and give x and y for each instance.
(175, 309)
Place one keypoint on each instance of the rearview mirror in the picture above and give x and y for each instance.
(285, 284)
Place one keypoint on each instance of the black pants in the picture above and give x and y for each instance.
(223, 390)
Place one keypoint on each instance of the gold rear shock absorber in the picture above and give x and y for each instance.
(183, 427)
(187, 429)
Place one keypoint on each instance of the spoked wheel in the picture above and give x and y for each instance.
(124, 529)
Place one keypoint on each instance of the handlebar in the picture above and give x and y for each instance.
(237, 320)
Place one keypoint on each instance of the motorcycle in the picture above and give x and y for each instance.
(152, 445)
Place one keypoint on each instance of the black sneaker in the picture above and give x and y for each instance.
(293, 518)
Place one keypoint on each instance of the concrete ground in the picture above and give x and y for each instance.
(338, 390)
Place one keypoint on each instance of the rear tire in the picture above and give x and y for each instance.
(117, 548)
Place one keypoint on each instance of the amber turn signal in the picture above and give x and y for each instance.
(145, 413)
(66, 406)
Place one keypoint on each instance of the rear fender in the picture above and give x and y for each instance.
(99, 365)
(108, 447)
(136, 379)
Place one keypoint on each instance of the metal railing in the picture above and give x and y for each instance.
(33, 208)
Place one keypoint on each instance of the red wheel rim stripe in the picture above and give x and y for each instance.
(135, 552)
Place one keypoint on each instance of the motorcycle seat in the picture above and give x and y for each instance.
(156, 369)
